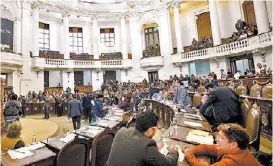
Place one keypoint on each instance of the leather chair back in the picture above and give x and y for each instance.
(101, 147)
(201, 89)
(253, 123)
(241, 90)
(196, 99)
(245, 107)
(267, 91)
(254, 89)
(75, 153)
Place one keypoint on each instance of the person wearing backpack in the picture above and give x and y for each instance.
(12, 110)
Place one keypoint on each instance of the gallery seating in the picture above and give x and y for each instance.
(111, 56)
(82, 56)
(51, 54)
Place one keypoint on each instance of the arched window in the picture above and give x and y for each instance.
(151, 37)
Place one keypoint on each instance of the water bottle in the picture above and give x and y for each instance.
(258, 94)
(34, 139)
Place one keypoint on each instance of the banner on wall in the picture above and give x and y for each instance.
(6, 30)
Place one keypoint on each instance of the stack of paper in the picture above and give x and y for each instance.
(19, 153)
(193, 124)
(36, 146)
(93, 130)
(200, 137)
(106, 123)
(113, 118)
(70, 137)
(192, 116)
(164, 151)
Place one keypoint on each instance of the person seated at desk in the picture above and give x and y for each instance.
(222, 106)
(158, 96)
(135, 146)
(12, 140)
(231, 148)
(123, 105)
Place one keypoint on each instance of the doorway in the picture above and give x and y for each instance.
(109, 75)
(153, 76)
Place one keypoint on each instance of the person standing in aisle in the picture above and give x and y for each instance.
(75, 112)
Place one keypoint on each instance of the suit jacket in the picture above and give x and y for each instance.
(132, 148)
(74, 108)
(86, 101)
(237, 158)
(225, 103)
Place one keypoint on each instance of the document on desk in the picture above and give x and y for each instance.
(93, 130)
(35, 146)
(164, 151)
(193, 124)
(192, 116)
(20, 153)
(200, 137)
(70, 137)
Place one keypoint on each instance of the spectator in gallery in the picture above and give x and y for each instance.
(12, 139)
(231, 148)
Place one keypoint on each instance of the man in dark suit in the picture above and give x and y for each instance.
(86, 104)
(75, 112)
(212, 79)
(222, 106)
(134, 146)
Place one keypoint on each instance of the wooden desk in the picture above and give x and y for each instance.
(183, 145)
(41, 157)
(181, 119)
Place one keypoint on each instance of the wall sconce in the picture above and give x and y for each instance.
(126, 72)
(263, 58)
(180, 65)
(98, 71)
(68, 74)
(37, 73)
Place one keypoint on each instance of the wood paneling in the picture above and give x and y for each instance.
(203, 26)
(249, 13)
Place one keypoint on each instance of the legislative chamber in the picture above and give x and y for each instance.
(136, 82)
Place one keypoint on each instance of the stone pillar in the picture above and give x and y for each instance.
(123, 36)
(95, 37)
(17, 36)
(177, 25)
(68, 80)
(215, 28)
(66, 50)
(261, 16)
(136, 48)
(35, 29)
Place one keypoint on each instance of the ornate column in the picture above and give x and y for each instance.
(136, 48)
(123, 36)
(17, 35)
(65, 41)
(215, 28)
(95, 37)
(261, 16)
(35, 29)
(177, 25)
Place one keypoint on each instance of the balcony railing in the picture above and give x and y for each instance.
(65, 64)
(152, 62)
(260, 41)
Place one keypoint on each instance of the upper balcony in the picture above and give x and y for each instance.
(43, 63)
(10, 61)
(154, 62)
(248, 44)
